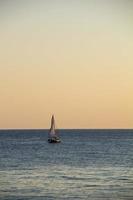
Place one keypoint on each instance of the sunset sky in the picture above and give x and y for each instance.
(73, 58)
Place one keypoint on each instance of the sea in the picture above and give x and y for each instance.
(86, 165)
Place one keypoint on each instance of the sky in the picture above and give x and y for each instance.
(70, 58)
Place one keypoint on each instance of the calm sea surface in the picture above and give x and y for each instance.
(87, 165)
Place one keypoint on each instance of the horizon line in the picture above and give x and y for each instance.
(1, 129)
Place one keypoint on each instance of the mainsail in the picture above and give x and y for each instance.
(52, 132)
(53, 136)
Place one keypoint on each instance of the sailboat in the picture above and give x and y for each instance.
(53, 135)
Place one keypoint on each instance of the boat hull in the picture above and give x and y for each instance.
(54, 140)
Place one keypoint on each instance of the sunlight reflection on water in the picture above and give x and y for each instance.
(67, 182)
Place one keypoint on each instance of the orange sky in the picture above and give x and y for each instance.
(71, 58)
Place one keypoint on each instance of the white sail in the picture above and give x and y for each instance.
(52, 132)
(53, 136)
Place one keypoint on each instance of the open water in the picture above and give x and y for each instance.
(86, 165)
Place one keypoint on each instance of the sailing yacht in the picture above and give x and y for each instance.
(53, 136)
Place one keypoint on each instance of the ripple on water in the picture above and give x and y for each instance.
(67, 182)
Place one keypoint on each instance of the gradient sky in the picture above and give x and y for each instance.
(73, 58)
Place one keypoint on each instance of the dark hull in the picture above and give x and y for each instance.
(54, 140)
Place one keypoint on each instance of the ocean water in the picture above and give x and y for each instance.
(86, 165)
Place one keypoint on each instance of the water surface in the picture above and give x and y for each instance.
(86, 165)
